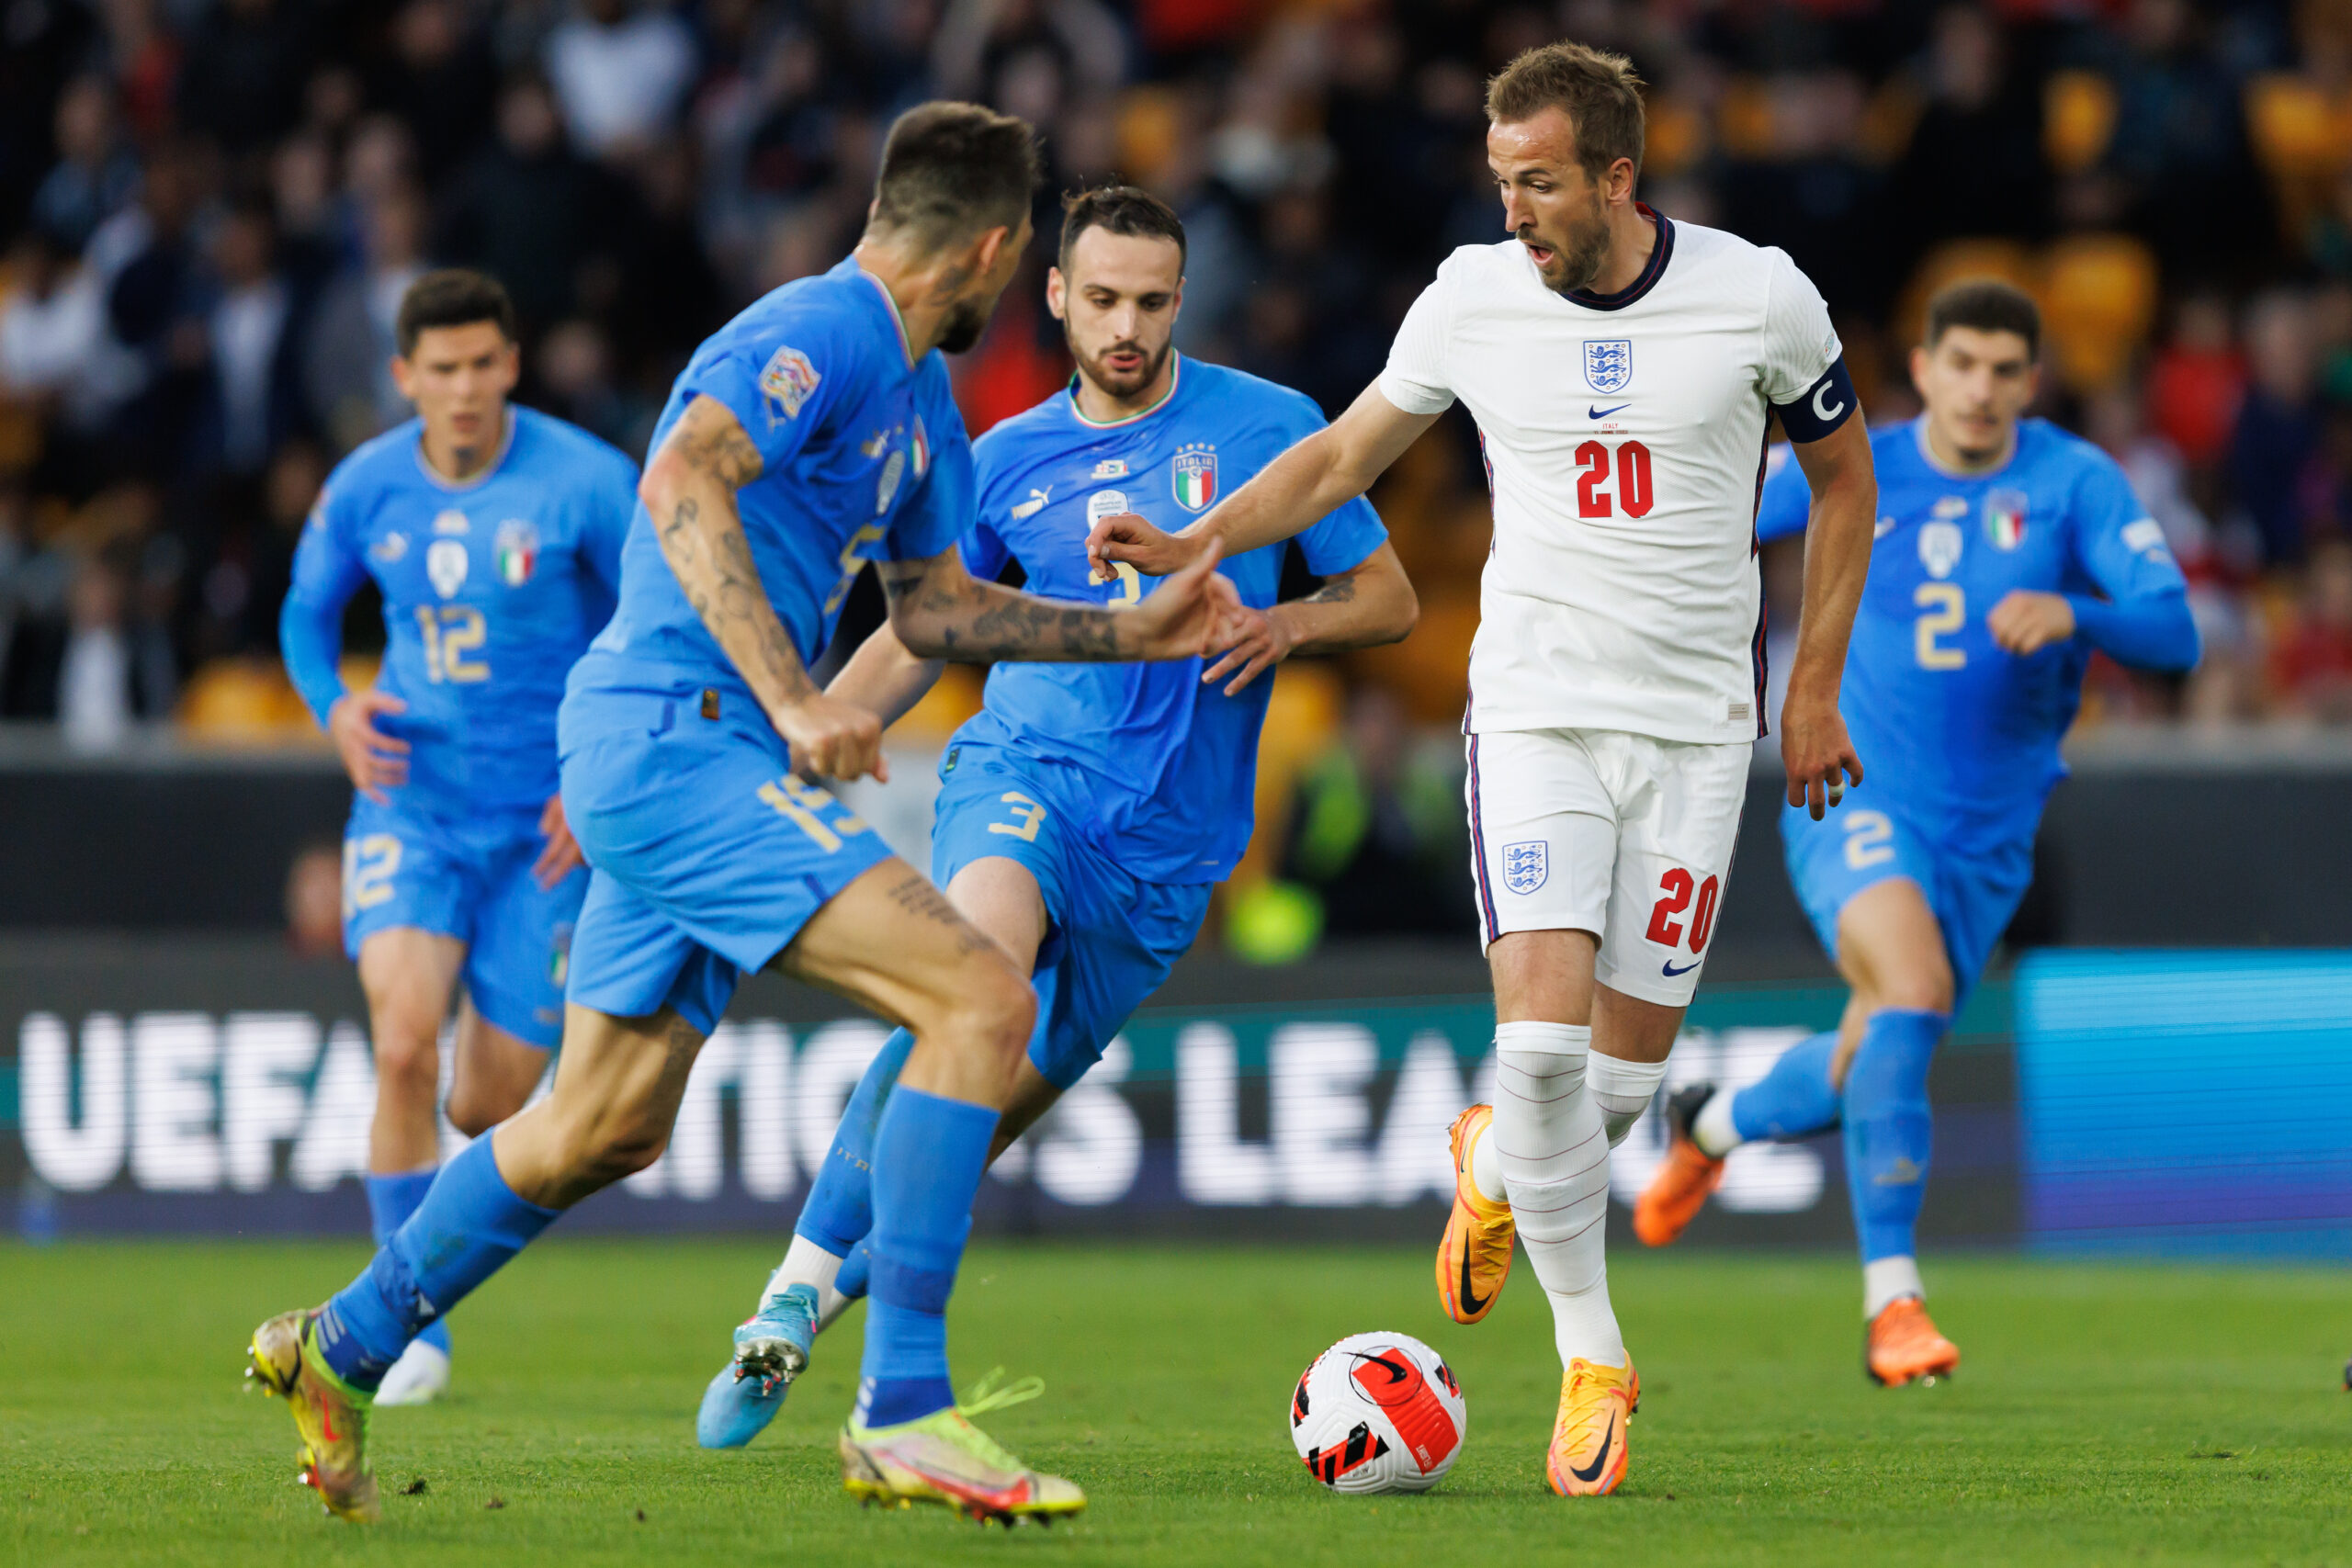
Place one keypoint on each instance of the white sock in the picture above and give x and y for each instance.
(1713, 1129)
(805, 1263)
(1554, 1152)
(1622, 1090)
(1889, 1279)
(1487, 1167)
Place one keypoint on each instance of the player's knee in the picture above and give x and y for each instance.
(408, 1058)
(993, 1012)
(1923, 987)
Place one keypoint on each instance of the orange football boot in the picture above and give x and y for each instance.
(1904, 1346)
(1589, 1456)
(1687, 1178)
(1474, 1256)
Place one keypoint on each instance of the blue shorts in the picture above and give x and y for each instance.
(469, 878)
(1110, 938)
(1972, 894)
(709, 855)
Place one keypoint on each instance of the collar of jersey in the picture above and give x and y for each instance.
(1928, 455)
(905, 346)
(1175, 379)
(457, 486)
(1652, 270)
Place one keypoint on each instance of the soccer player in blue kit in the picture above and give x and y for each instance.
(813, 433)
(1086, 811)
(2006, 552)
(494, 533)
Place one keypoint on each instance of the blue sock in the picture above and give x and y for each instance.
(1888, 1128)
(467, 1227)
(928, 1155)
(390, 1201)
(839, 1210)
(856, 1269)
(1796, 1098)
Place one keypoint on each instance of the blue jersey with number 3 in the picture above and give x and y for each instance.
(491, 588)
(1943, 718)
(1172, 762)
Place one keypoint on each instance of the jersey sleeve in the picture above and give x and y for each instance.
(1803, 364)
(781, 383)
(1786, 504)
(612, 507)
(2142, 617)
(328, 569)
(1414, 379)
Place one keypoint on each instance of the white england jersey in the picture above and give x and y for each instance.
(1624, 445)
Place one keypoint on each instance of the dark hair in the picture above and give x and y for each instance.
(1120, 209)
(454, 297)
(1598, 91)
(952, 169)
(1988, 305)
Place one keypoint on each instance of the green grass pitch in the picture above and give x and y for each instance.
(2104, 1414)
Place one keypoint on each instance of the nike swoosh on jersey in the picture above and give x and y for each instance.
(1670, 971)
(1592, 413)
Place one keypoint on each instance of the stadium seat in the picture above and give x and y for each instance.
(2077, 119)
(2099, 300)
(242, 702)
(2302, 136)
(1953, 260)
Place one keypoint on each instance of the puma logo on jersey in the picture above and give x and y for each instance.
(1033, 505)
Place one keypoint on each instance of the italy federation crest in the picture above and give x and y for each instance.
(1609, 363)
(1526, 865)
(518, 545)
(1191, 473)
(2005, 518)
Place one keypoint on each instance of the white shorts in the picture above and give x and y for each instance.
(1599, 831)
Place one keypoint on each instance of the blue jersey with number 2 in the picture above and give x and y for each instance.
(1170, 762)
(1947, 723)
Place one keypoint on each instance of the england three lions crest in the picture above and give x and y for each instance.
(1609, 363)
(1526, 865)
(1192, 474)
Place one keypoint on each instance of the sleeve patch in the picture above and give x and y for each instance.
(2146, 538)
(786, 382)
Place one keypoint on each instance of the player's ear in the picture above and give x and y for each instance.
(1057, 293)
(1919, 369)
(403, 375)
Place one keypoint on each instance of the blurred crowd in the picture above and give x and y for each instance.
(208, 210)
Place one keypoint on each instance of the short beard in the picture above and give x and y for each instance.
(964, 324)
(1144, 377)
(1582, 262)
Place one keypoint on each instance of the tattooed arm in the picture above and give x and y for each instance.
(1370, 604)
(939, 612)
(689, 489)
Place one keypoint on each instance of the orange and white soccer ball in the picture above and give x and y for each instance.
(1378, 1412)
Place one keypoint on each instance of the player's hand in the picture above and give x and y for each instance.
(1190, 614)
(561, 856)
(833, 738)
(2026, 622)
(375, 761)
(1819, 756)
(1259, 640)
(1127, 537)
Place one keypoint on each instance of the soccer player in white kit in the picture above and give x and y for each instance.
(1622, 370)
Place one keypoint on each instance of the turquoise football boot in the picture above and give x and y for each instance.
(771, 1350)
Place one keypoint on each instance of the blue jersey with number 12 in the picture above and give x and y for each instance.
(1944, 719)
(491, 588)
(1171, 762)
